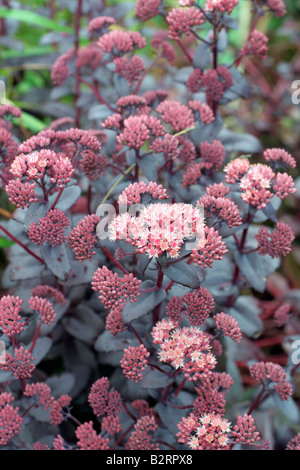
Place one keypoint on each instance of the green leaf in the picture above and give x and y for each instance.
(5, 243)
(35, 19)
(30, 122)
(27, 52)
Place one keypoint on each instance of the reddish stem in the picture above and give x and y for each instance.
(96, 93)
(180, 387)
(113, 259)
(57, 198)
(22, 245)
(36, 335)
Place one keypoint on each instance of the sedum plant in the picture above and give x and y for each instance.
(144, 233)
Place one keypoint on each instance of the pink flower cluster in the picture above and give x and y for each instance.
(7, 111)
(224, 209)
(60, 69)
(50, 229)
(113, 289)
(258, 182)
(270, 373)
(228, 326)
(100, 24)
(35, 165)
(277, 243)
(244, 431)
(119, 42)
(221, 5)
(132, 194)
(44, 308)
(146, 9)
(159, 228)
(256, 45)
(210, 249)
(281, 157)
(102, 400)
(48, 292)
(8, 147)
(11, 322)
(88, 439)
(277, 7)
(214, 82)
(213, 154)
(82, 238)
(20, 363)
(187, 349)
(196, 305)
(181, 21)
(177, 114)
(208, 432)
(10, 420)
(56, 406)
(134, 362)
(130, 69)
(141, 436)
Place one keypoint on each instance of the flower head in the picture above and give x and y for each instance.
(244, 431)
(159, 228)
(181, 20)
(88, 439)
(113, 289)
(130, 69)
(146, 9)
(187, 349)
(50, 229)
(100, 24)
(275, 244)
(228, 325)
(210, 249)
(279, 157)
(256, 45)
(20, 363)
(177, 114)
(208, 432)
(134, 362)
(141, 436)
(271, 373)
(119, 42)
(44, 308)
(82, 238)
(11, 322)
(10, 420)
(221, 5)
